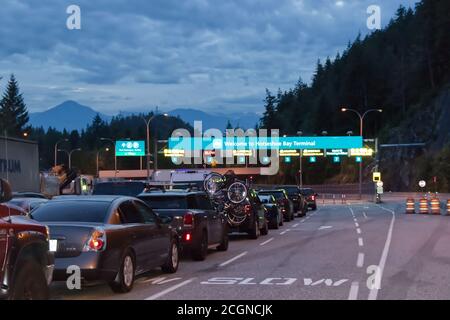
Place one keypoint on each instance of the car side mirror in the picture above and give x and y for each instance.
(5, 191)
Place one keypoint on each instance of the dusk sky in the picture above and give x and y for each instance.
(203, 54)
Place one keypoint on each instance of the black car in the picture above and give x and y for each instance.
(111, 238)
(198, 224)
(298, 200)
(310, 197)
(286, 205)
(255, 222)
(119, 188)
(273, 212)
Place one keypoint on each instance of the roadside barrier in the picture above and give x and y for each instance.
(410, 206)
(448, 207)
(343, 199)
(423, 206)
(435, 206)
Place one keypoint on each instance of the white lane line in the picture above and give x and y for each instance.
(233, 259)
(266, 242)
(325, 227)
(360, 242)
(358, 230)
(374, 292)
(295, 225)
(365, 215)
(353, 295)
(170, 289)
(356, 220)
(303, 220)
(360, 261)
(357, 224)
(281, 233)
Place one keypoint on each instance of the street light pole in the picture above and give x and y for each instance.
(115, 153)
(56, 150)
(97, 160)
(147, 124)
(299, 133)
(70, 156)
(361, 123)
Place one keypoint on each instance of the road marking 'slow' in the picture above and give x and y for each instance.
(353, 295)
(360, 261)
(266, 242)
(168, 290)
(360, 242)
(233, 259)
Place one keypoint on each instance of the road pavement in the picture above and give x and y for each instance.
(350, 251)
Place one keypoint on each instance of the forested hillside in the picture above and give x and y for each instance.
(403, 69)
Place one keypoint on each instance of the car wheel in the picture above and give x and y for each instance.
(124, 280)
(281, 219)
(173, 258)
(276, 223)
(265, 230)
(30, 282)
(254, 232)
(199, 253)
(225, 239)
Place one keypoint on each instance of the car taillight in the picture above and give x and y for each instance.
(96, 242)
(313, 198)
(247, 209)
(187, 237)
(188, 219)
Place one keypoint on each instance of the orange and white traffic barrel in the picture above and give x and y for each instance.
(423, 206)
(410, 206)
(448, 207)
(435, 206)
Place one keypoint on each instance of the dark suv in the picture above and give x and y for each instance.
(119, 188)
(199, 225)
(286, 205)
(298, 200)
(26, 267)
(310, 197)
(255, 222)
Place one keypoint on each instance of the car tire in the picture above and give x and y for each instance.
(264, 231)
(314, 207)
(124, 280)
(29, 282)
(276, 224)
(201, 249)
(281, 220)
(225, 240)
(254, 232)
(173, 258)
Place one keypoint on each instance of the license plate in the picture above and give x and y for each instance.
(53, 245)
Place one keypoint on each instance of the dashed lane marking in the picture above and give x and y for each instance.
(358, 230)
(360, 242)
(325, 227)
(233, 259)
(170, 289)
(353, 295)
(360, 261)
(266, 242)
(281, 233)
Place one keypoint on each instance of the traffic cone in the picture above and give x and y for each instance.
(410, 206)
(435, 206)
(423, 206)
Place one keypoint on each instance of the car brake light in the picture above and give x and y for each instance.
(313, 198)
(188, 219)
(187, 237)
(247, 209)
(96, 242)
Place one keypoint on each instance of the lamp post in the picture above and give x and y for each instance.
(56, 149)
(147, 124)
(69, 155)
(97, 158)
(115, 154)
(361, 123)
(300, 133)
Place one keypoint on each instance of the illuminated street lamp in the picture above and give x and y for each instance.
(98, 154)
(115, 153)
(361, 123)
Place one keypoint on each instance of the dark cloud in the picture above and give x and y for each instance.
(199, 53)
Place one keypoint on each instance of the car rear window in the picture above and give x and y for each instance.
(291, 190)
(166, 202)
(116, 188)
(72, 211)
(277, 194)
(307, 192)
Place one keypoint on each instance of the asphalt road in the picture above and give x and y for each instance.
(355, 251)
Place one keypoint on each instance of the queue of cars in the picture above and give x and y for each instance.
(126, 228)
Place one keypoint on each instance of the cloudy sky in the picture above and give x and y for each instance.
(206, 54)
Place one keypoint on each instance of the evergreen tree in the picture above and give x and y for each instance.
(268, 119)
(13, 111)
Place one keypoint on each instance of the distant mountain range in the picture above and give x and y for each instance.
(71, 115)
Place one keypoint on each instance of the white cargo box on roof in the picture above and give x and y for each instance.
(189, 175)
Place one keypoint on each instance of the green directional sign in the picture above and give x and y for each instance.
(336, 159)
(130, 148)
